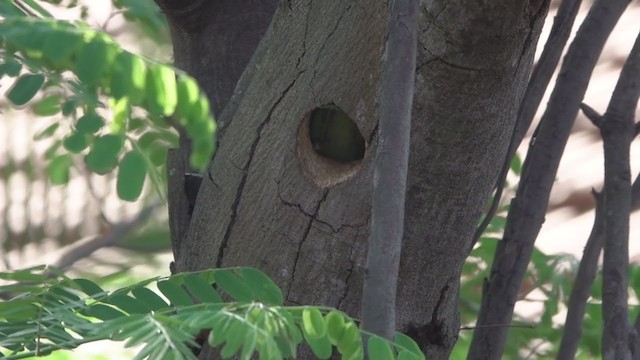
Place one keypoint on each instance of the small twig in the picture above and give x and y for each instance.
(525, 326)
(83, 249)
(111, 17)
(592, 115)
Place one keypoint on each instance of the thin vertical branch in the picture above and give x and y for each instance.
(390, 173)
(581, 290)
(528, 208)
(540, 78)
(617, 133)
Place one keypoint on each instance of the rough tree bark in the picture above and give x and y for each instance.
(270, 201)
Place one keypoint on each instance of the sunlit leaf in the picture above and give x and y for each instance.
(312, 323)
(335, 326)
(128, 77)
(161, 92)
(378, 349)
(93, 60)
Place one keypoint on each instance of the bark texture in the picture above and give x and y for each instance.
(270, 201)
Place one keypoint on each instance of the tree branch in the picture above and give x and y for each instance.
(390, 172)
(617, 134)
(540, 78)
(83, 249)
(528, 208)
(592, 115)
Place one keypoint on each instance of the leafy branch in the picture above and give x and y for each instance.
(48, 311)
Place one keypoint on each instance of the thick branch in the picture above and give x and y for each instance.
(528, 208)
(617, 133)
(390, 172)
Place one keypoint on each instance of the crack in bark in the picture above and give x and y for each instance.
(540, 12)
(302, 241)
(245, 170)
(349, 271)
(324, 43)
(315, 216)
(304, 37)
(431, 332)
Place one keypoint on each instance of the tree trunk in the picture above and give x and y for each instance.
(272, 202)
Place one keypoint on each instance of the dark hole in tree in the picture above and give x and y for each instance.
(334, 135)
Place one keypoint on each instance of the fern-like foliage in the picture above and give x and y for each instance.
(122, 108)
(47, 311)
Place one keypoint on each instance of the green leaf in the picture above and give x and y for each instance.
(219, 329)
(321, 346)
(104, 312)
(158, 154)
(128, 304)
(235, 338)
(313, 323)
(93, 60)
(128, 77)
(335, 326)
(88, 287)
(103, 156)
(408, 355)
(378, 349)
(75, 142)
(131, 174)
(161, 90)
(266, 290)
(47, 132)
(350, 342)
(188, 94)
(10, 67)
(25, 88)
(8, 9)
(409, 344)
(60, 45)
(59, 169)
(38, 9)
(32, 274)
(69, 106)
(89, 123)
(174, 293)
(48, 106)
(234, 286)
(120, 109)
(150, 298)
(201, 289)
(249, 344)
(516, 164)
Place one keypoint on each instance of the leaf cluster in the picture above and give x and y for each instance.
(47, 311)
(85, 76)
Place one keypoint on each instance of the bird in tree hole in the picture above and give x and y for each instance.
(334, 135)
